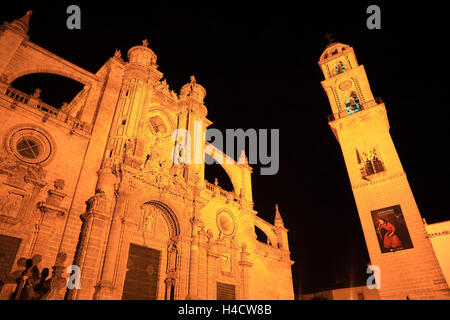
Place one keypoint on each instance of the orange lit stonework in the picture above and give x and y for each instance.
(408, 265)
(93, 185)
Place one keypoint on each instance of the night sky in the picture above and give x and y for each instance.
(258, 63)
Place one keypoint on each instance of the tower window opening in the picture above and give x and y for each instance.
(371, 163)
(339, 68)
(352, 103)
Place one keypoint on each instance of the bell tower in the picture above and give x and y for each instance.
(393, 229)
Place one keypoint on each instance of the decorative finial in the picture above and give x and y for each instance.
(145, 43)
(278, 220)
(193, 81)
(37, 93)
(23, 24)
(330, 40)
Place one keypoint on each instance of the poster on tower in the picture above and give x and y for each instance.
(391, 230)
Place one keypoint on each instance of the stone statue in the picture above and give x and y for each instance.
(129, 148)
(149, 220)
(171, 257)
(193, 81)
(37, 93)
(118, 54)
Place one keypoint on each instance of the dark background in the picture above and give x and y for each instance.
(258, 63)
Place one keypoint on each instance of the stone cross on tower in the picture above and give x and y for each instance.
(329, 39)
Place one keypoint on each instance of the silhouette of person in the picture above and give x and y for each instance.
(44, 284)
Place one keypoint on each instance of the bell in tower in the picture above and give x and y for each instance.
(345, 81)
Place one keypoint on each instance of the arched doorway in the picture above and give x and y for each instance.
(152, 263)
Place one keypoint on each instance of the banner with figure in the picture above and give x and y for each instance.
(391, 229)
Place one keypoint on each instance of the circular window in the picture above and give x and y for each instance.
(30, 145)
(158, 123)
(226, 223)
(345, 85)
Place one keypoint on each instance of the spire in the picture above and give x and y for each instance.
(278, 220)
(22, 24)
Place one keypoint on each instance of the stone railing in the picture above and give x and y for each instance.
(210, 186)
(17, 95)
(364, 106)
(48, 111)
(216, 190)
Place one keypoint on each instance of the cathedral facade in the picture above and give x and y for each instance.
(90, 191)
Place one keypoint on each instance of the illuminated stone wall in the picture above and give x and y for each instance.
(439, 234)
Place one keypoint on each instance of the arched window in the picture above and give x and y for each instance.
(339, 68)
(370, 162)
(352, 103)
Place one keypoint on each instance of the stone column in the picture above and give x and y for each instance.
(170, 288)
(171, 270)
(105, 289)
(212, 259)
(128, 227)
(87, 255)
(202, 264)
(94, 233)
(51, 224)
(245, 265)
(193, 262)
